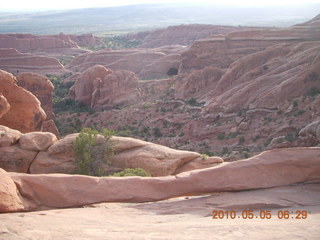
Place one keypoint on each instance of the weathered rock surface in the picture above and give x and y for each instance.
(200, 163)
(146, 63)
(311, 130)
(8, 136)
(16, 62)
(174, 219)
(37, 141)
(156, 159)
(99, 87)
(41, 87)
(50, 126)
(130, 153)
(4, 105)
(15, 159)
(25, 113)
(48, 43)
(179, 35)
(59, 157)
(269, 169)
(10, 200)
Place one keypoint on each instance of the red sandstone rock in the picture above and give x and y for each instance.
(25, 112)
(10, 200)
(15, 62)
(50, 126)
(37, 43)
(182, 34)
(130, 153)
(41, 87)
(4, 105)
(37, 141)
(146, 63)
(99, 87)
(15, 159)
(8, 137)
(270, 169)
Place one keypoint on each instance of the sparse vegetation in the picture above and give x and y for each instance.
(157, 132)
(242, 139)
(92, 152)
(193, 102)
(204, 156)
(221, 136)
(131, 172)
(313, 92)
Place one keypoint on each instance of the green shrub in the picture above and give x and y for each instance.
(221, 136)
(242, 139)
(313, 92)
(204, 156)
(91, 155)
(131, 172)
(157, 132)
(225, 151)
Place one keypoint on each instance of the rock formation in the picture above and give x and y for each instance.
(25, 113)
(101, 88)
(276, 168)
(16, 62)
(4, 105)
(40, 152)
(10, 199)
(43, 89)
(28, 43)
(179, 35)
(146, 63)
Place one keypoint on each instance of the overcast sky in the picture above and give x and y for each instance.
(18, 5)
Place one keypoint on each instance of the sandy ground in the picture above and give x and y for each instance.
(172, 219)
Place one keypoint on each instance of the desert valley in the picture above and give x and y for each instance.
(147, 134)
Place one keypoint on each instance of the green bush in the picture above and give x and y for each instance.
(132, 172)
(313, 92)
(221, 136)
(157, 132)
(242, 139)
(204, 156)
(90, 154)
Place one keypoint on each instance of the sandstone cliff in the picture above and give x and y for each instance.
(179, 35)
(16, 62)
(28, 43)
(146, 63)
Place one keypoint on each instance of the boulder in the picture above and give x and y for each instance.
(4, 105)
(25, 113)
(269, 169)
(10, 201)
(59, 157)
(15, 159)
(8, 136)
(37, 141)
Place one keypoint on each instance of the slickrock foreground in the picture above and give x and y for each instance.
(276, 168)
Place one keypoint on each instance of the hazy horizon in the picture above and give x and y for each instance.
(36, 5)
